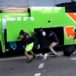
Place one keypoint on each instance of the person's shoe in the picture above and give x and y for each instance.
(28, 61)
(45, 56)
(34, 57)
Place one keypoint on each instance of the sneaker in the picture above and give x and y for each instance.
(45, 56)
(28, 61)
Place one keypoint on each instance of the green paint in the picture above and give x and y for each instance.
(57, 18)
(2, 38)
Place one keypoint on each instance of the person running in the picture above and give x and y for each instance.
(53, 41)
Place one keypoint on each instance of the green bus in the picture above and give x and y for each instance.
(50, 18)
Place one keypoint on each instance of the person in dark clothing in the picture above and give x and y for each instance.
(47, 41)
(24, 37)
(28, 44)
(41, 37)
(53, 41)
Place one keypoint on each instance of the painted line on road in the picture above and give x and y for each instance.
(37, 74)
(41, 65)
(73, 58)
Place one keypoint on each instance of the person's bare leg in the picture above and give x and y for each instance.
(28, 57)
(53, 51)
(33, 54)
(53, 44)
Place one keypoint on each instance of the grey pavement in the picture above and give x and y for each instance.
(18, 67)
(53, 66)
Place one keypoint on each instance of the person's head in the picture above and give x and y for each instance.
(43, 32)
(21, 32)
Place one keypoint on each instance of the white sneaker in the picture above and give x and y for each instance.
(45, 56)
(39, 55)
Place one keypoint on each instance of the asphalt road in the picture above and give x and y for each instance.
(52, 66)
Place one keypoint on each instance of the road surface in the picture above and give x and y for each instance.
(52, 66)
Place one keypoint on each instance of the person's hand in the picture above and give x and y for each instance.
(38, 46)
(14, 48)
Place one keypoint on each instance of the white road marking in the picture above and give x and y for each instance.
(41, 65)
(73, 58)
(37, 74)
